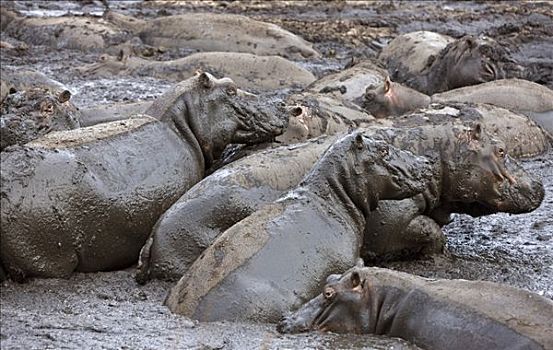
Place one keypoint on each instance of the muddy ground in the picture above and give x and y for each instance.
(110, 311)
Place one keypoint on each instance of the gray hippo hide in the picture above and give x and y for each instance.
(112, 112)
(275, 258)
(221, 200)
(87, 199)
(18, 80)
(27, 115)
(463, 62)
(523, 136)
(397, 229)
(474, 176)
(434, 314)
(350, 84)
(216, 32)
(517, 95)
(86, 33)
(252, 72)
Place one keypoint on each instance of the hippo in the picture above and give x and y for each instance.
(412, 227)
(221, 200)
(86, 33)
(24, 79)
(271, 260)
(350, 84)
(396, 229)
(431, 313)
(466, 61)
(216, 32)
(87, 199)
(27, 115)
(523, 136)
(249, 71)
(517, 95)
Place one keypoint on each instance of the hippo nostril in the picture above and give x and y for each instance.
(329, 293)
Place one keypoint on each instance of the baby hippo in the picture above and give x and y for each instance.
(433, 314)
(276, 258)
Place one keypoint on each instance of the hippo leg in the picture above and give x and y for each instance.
(143, 268)
(425, 235)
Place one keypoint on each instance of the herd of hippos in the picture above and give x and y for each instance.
(364, 164)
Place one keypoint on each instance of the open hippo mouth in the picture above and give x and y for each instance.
(258, 120)
(307, 318)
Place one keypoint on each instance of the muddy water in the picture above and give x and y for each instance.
(109, 310)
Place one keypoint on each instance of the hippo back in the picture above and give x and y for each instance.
(86, 199)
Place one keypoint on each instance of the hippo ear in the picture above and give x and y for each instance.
(64, 96)
(359, 141)
(355, 279)
(205, 80)
(387, 84)
(476, 132)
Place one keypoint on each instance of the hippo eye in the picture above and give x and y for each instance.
(329, 293)
(501, 152)
(384, 152)
(232, 91)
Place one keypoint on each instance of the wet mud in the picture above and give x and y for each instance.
(109, 310)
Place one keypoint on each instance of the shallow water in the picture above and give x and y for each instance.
(109, 310)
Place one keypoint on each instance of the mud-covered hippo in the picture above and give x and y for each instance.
(431, 313)
(216, 32)
(26, 79)
(275, 258)
(517, 95)
(466, 61)
(87, 199)
(249, 71)
(474, 175)
(350, 84)
(523, 136)
(86, 33)
(27, 115)
(221, 200)
(395, 229)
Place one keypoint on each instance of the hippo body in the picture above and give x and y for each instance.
(85, 33)
(258, 73)
(219, 201)
(410, 227)
(217, 32)
(523, 136)
(416, 60)
(112, 112)
(263, 264)
(27, 115)
(30, 79)
(350, 84)
(517, 95)
(125, 172)
(433, 314)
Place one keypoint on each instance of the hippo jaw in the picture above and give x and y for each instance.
(258, 121)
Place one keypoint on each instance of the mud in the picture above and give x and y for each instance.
(109, 310)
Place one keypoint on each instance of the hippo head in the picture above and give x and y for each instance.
(27, 115)
(107, 66)
(367, 170)
(389, 99)
(481, 179)
(343, 307)
(220, 114)
(303, 124)
(469, 61)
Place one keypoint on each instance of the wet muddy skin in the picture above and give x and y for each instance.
(109, 310)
